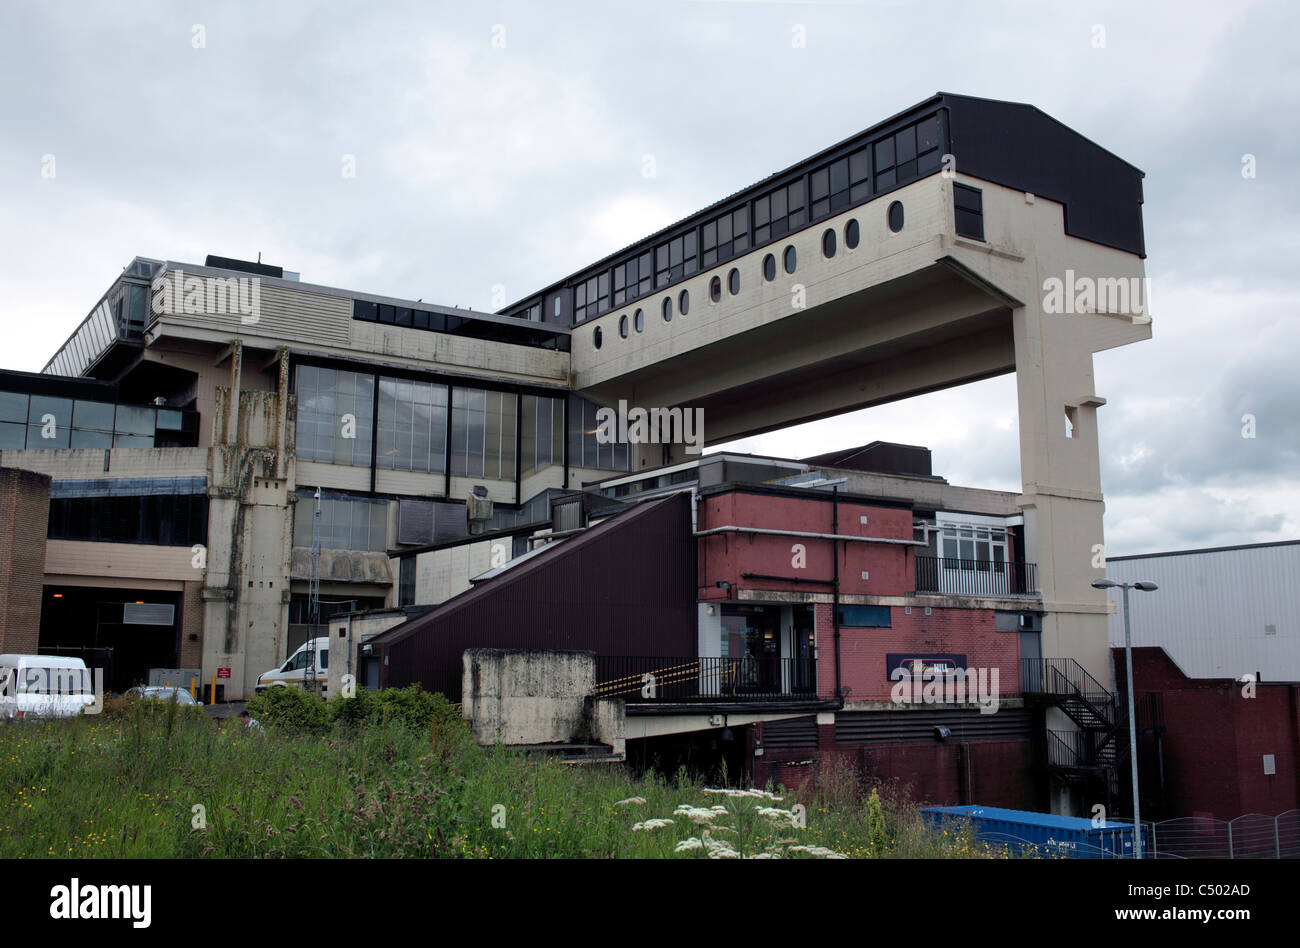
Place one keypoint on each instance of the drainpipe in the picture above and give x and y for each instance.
(835, 606)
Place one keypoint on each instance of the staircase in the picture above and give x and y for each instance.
(1099, 749)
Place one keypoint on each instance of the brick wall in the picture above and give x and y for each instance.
(863, 652)
(1215, 740)
(191, 607)
(992, 772)
(24, 523)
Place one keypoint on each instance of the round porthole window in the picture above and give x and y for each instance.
(733, 281)
(789, 258)
(715, 289)
(769, 268)
(684, 302)
(668, 309)
(851, 234)
(896, 216)
(639, 319)
(622, 325)
(828, 244)
(596, 337)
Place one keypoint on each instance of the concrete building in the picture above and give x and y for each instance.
(959, 239)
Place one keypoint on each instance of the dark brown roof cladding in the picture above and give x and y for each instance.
(878, 457)
(626, 587)
(518, 574)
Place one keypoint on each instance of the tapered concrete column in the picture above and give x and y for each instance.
(1060, 467)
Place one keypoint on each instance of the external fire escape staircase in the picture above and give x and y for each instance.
(1096, 753)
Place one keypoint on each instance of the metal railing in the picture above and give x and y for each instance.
(649, 679)
(1065, 678)
(958, 577)
(1253, 836)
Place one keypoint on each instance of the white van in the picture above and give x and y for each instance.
(44, 686)
(293, 671)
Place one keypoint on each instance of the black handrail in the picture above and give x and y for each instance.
(648, 679)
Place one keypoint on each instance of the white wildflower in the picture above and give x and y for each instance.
(688, 844)
(651, 824)
(821, 851)
(637, 800)
(698, 814)
(755, 792)
(778, 816)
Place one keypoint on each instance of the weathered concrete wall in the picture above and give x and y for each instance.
(534, 697)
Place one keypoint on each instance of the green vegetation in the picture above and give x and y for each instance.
(394, 774)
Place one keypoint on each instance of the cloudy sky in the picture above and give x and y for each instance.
(503, 144)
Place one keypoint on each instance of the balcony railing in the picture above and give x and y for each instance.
(958, 577)
(647, 680)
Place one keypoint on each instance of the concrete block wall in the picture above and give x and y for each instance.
(523, 698)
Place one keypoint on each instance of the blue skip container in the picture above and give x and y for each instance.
(1044, 834)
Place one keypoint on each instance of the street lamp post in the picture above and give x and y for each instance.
(1132, 714)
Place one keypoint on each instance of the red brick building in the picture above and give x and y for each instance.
(1224, 748)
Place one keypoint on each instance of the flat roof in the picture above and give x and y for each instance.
(1208, 549)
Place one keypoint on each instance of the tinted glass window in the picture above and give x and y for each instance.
(733, 281)
(715, 289)
(769, 267)
(12, 437)
(622, 325)
(790, 258)
(335, 410)
(828, 244)
(851, 235)
(13, 406)
(639, 319)
(896, 216)
(684, 302)
(596, 339)
(412, 425)
(668, 308)
(43, 406)
(97, 416)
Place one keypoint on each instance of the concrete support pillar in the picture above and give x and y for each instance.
(1060, 467)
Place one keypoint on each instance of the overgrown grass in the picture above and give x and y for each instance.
(155, 780)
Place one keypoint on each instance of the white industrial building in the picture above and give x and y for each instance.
(1223, 612)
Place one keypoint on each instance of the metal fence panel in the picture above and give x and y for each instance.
(1254, 836)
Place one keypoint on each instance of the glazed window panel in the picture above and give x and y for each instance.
(482, 434)
(325, 398)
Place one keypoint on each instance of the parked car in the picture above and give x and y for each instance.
(161, 693)
(293, 671)
(44, 686)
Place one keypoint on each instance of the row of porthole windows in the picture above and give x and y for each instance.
(789, 260)
(638, 317)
